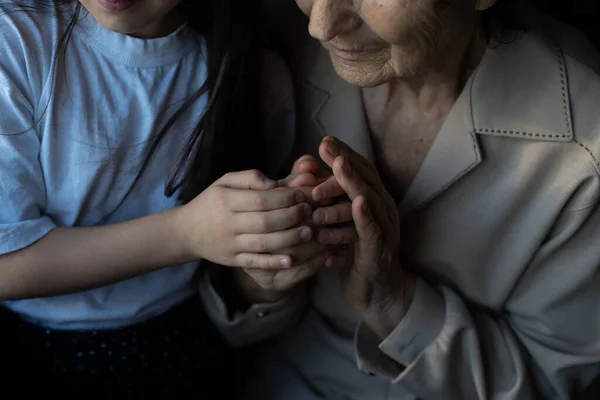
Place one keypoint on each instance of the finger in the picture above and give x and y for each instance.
(345, 235)
(271, 221)
(251, 179)
(263, 200)
(336, 261)
(369, 232)
(305, 164)
(306, 251)
(289, 277)
(306, 192)
(323, 175)
(263, 261)
(349, 180)
(355, 184)
(299, 180)
(335, 214)
(273, 242)
(331, 148)
(328, 190)
(305, 270)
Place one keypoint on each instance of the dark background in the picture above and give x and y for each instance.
(583, 14)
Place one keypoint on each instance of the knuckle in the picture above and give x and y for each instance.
(255, 174)
(221, 198)
(260, 200)
(261, 223)
(250, 262)
(260, 245)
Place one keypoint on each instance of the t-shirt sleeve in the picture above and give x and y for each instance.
(22, 189)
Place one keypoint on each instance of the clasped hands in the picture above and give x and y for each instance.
(285, 232)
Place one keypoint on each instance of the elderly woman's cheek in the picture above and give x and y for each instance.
(392, 26)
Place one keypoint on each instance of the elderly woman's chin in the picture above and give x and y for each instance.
(371, 70)
(362, 73)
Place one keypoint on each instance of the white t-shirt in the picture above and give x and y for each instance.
(72, 139)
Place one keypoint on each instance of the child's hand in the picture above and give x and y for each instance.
(243, 220)
(308, 257)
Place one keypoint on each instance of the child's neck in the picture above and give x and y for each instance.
(167, 25)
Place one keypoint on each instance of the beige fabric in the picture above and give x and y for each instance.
(502, 224)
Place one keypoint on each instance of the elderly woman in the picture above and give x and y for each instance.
(468, 146)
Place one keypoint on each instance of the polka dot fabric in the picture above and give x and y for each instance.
(178, 355)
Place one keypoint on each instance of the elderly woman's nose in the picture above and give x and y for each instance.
(329, 18)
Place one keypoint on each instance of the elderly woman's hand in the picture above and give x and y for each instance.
(373, 280)
(308, 257)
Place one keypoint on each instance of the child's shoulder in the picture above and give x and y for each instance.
(29, 38)
(28, 32)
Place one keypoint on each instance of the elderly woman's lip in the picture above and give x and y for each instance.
(349, 54)
(350, 50)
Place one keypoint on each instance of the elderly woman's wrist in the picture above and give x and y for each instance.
(387, 312)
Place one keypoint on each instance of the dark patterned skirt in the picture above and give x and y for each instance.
(178, 355)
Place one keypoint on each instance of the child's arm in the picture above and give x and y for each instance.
(235, 222)
(69, 260)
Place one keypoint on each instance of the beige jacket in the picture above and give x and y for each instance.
(502, 224)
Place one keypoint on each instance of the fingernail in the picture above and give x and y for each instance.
(332, 147)
(305, 233)
(299, 197)
(307, 210)
(268, 181)
(346, 166)
(319, 217)
(284, 262)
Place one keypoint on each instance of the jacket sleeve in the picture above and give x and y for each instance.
(259, 322)
(544, 344)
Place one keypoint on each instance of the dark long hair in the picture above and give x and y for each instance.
(227, 137)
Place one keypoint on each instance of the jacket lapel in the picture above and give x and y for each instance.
(332, 106)
(454, 152)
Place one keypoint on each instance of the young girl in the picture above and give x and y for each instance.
(119, 123)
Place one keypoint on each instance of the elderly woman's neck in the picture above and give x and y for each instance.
(444, 81)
